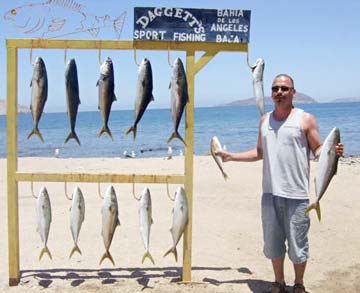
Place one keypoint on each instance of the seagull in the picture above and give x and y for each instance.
(170, 151)
(57, 153)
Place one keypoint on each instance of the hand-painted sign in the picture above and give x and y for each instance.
(194, 25)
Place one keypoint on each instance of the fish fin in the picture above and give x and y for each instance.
(172, 250)
(97, 83)
(117, 222)
(107, 130)
(76, 248)
(43, 251)
(132, 129)
(170, 85)
(315, 206)
(107, 255)
(152, 98)
(114, 98)
(37, 132)
(176, 135)
(149, 256)
(152, 221)
(73, 135)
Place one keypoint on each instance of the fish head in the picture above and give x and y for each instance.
(145, 199)
(107, 67)
(178, 70)
(70, 66)
(215, 144)
(258, 68)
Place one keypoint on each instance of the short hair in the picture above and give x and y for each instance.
(287, 76)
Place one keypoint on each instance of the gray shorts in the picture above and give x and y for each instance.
(284, 219)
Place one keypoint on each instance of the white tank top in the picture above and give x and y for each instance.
(286, 157)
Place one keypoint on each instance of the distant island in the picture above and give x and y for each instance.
(300, 98)
(21, 109)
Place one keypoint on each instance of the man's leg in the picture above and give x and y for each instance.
(299, 273)
(278, 266)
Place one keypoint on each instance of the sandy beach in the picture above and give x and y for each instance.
(227, 237)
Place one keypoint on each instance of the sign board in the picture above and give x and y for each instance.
(192, 25)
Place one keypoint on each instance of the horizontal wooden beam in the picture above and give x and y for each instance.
(95, 178)
(124, 45)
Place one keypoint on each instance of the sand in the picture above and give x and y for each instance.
(227, 237)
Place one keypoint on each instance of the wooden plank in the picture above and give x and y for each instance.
(12, 187)
(204, 59)
(102, 177)
(189, 168)
(124, 45)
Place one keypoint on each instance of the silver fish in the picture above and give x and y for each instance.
(179, 96)
(145, 215)
(77, 216)
(107, 96)
(43, 212)
(144, 96)
(216, 146)
(72, 97)
(39, 93)
(110, 220)
(180, 219)
(327, 168)
(258, 84)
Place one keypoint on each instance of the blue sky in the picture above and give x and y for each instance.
(316, 42)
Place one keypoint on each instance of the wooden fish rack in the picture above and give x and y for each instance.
(14, 176)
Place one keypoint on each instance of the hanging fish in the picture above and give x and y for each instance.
(39, 93)
(180, 219)
(144, 94)
(106, 84)
(110, 220)
(179, 96)
(145, 215)
(77, 216)
(43, 212)
(72, 97)
(258, 84)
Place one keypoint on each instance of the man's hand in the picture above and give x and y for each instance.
(225, 156)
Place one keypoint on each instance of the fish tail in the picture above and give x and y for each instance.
(43, 251)
(73, 135)
(315, 206)
(132, 129)
(226, 177)
(149, 256)
(107, 130)
(107, 255)
(76, 248)
(176, 135)
(173, 251)
(37, 132)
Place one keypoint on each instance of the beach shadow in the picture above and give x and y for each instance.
(77, 277)
(256, 286)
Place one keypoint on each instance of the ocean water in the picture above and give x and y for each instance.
(236, 127)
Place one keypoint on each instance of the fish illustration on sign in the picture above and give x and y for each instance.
(60, 18)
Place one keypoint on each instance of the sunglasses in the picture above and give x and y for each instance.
(282, 88)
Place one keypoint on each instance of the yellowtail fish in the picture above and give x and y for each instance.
(216, 146)
(77, 216)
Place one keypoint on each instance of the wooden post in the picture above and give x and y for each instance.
(189, 165)
(12, 186)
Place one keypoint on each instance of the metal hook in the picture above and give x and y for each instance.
(137, 63)
(167, 189)
(31, 62)
(99, 54)
(65, 53)
(32, 190)
(247, 60)
(169, 57)
(133, 190)
(99, 191)
(66, 193)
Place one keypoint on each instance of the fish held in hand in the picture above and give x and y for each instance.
(144, 96)
(77, 216)
(39, 93)
(72, 97)
(180, 219)
(326, 169)
(258, 84)
(179, 96)
(110, 220)
(43, 213)
(216, 146)
(106, 85)
(145, 215)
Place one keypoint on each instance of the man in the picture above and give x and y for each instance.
(286, 137)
